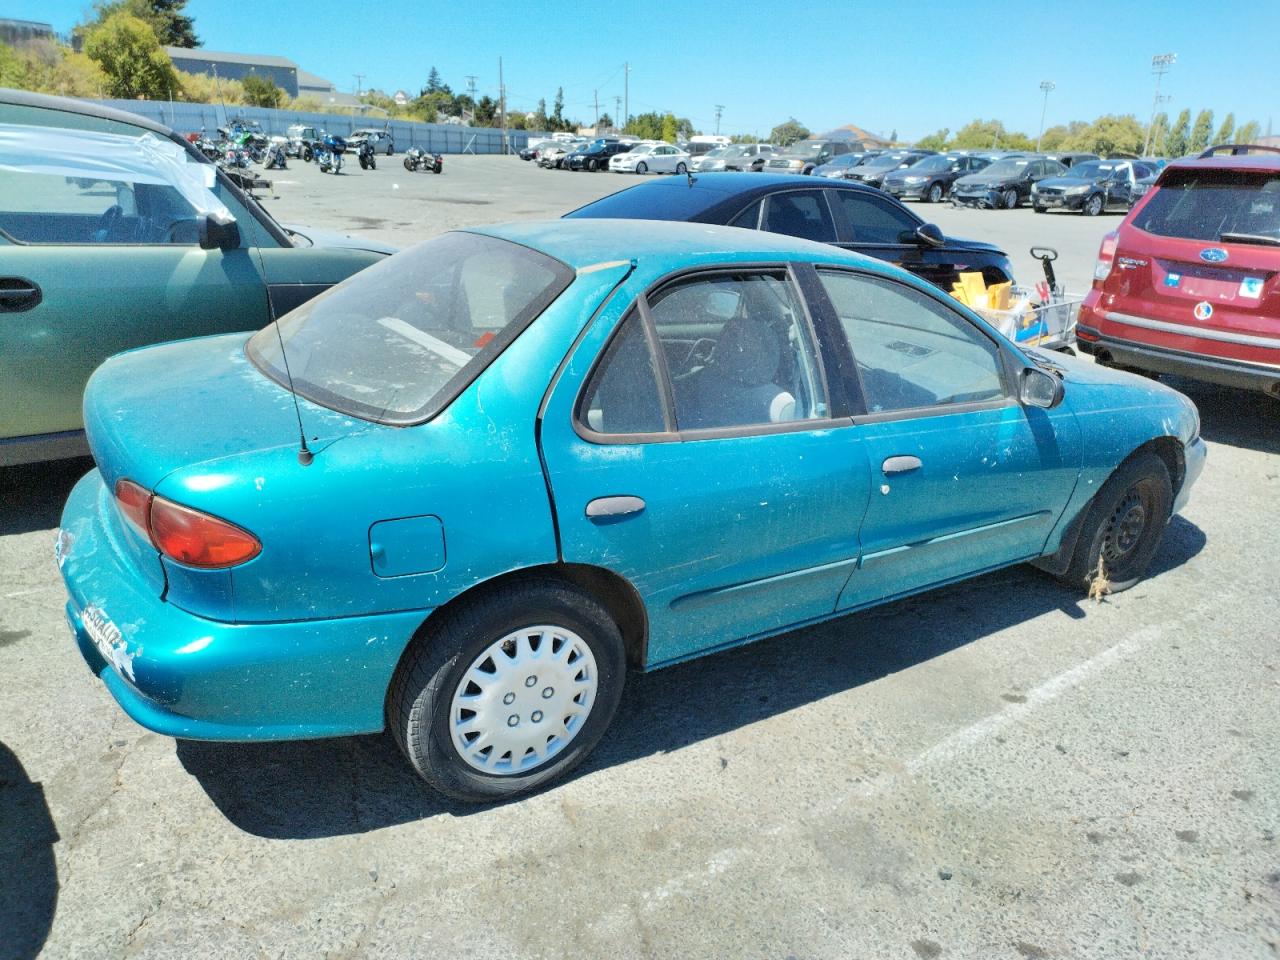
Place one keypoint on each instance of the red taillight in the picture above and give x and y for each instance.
(197, 539)
(183, 534)
(1106, 257)
(134, 502)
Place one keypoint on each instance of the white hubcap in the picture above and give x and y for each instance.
(523, 700)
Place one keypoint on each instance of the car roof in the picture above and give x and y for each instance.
(1253, 162)
(44, 101)
(582, 243)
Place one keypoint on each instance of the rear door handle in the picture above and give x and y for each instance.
(18, 294)
(622, 506)
(901, 464)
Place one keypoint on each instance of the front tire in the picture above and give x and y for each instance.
(1038, 209)
(935, 193)
(1123, 528)
(509, 691)
(1009, 199)
(642, 168)
(1093, 206)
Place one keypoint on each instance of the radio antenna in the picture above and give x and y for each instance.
(305, 456)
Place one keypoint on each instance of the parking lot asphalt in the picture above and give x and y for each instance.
(1001, 768)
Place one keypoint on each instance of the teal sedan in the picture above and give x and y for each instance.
(114, 234)
(462, 493)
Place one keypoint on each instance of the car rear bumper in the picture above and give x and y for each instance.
(186, 676)
(1224, 371)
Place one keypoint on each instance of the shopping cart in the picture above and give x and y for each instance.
(1043, 316)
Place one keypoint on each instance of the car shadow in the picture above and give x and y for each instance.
(32, 496)
(29, 878)
(1239, 418)
(321, 788)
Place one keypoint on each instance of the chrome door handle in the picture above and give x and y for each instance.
(901, 464)
(604, 507)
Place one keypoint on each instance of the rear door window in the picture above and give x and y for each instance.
(1214, 205)
(799, 213)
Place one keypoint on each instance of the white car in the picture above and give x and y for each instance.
(651, 158)
(735, 156)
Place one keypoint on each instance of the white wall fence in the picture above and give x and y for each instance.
(437, 137)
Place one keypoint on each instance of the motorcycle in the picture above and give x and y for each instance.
(364, 153)
(329, 154)
(275, 158)
(416, 158)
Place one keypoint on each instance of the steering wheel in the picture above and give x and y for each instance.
(700, 354)
(108, 223)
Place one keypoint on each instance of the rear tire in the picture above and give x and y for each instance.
(425, 708)
(1123, 527)
(1039, 209)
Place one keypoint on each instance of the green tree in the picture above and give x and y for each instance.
(540, 119)
(646, 126)
(486, 112)
(785, 134)
(1247, 133)
(556, 120)
(934, 141)
(129, 54)
(1201, 132)
(261, 92)
(1109, 134)
(893, 137)
(434, 84)
(1178, 135)
(670, 131)
(1227, 129)
(605, 121)
(165, 17)
(990, 134)
(1158, 133)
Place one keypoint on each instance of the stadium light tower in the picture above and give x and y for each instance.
(1047, 86)
(1160, 65)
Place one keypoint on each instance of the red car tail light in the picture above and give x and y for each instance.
(134, 503)
(198, 539)
(1106, 257)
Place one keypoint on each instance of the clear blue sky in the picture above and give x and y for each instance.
(886, 66)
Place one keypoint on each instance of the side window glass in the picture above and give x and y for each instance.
(623, 395)
(799, 213)
(748, 218)
(872, 220)
(52, 208)
(738, 352)
(911, 350)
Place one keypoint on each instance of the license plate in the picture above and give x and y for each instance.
(106, 636)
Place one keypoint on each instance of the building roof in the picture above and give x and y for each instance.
(313, 81)
(216, 56)
(851, 131)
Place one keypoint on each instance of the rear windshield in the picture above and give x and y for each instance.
(666, 199)
(1214, 205)
(399, 340)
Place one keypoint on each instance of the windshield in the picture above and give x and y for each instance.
(1006, 168)
(885, 162)
(1092, 170)
(717, 152)
(399, 340)
(805, 148)
(737, 150)
(641, 148)
(929, 164)
(1214, 205)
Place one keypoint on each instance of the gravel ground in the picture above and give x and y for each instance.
(997, 769)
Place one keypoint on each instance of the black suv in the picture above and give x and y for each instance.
(595, 155)
(1091, 187)
(1006, 183)
(839, 212)
(930, 178)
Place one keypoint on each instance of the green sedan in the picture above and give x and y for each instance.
(116, 233)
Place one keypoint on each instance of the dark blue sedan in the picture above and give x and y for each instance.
(849, 215)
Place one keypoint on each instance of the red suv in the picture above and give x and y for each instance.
(1189, 283)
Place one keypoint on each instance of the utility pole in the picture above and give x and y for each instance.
(719, 110)
(502, 106)
(1047, 86)
(596, 96)
(1160, 65)
(620, 123)
(626, 93)
(471, 92)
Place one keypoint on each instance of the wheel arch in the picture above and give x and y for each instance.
(615, 593)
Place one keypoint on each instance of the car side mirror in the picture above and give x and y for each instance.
(930, 235)
(218, 231)
(1039, 388)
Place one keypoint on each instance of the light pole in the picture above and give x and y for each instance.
(719, 111)
(1047, 86)
(1160, 65)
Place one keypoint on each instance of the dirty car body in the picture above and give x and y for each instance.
(587, 442)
